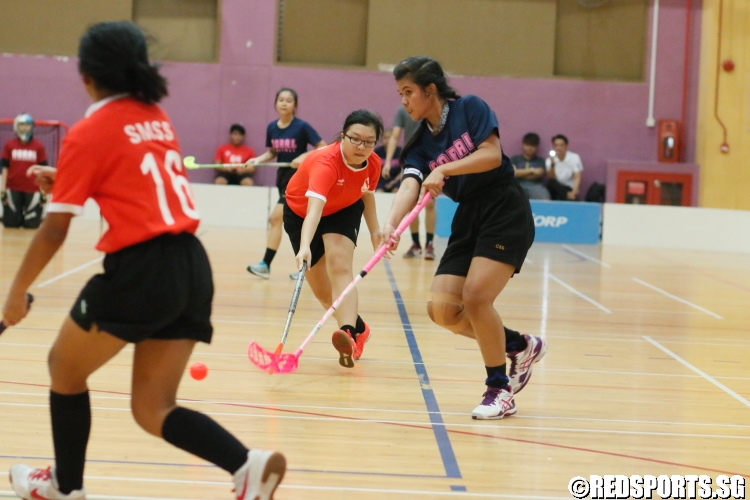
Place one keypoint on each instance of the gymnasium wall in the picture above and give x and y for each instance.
(604, 120)
(725, 177)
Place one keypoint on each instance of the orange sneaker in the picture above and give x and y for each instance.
(348, 349)
(362, 339)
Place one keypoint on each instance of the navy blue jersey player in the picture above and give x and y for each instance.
(287, 140)
(457, 152)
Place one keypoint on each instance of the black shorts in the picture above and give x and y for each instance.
(283, 176)
(496, 224)
(161, 288)
(346, 222)
(233, 178)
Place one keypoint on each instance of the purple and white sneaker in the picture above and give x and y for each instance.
(521, 362)
(497, 403)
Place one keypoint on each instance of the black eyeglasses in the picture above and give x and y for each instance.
(357, 142)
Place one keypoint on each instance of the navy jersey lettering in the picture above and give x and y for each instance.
(292, 141)
(470, 122)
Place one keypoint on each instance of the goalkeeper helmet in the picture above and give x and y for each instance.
(23, 118)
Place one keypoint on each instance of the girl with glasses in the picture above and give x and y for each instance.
(457, 151)
(325, 201)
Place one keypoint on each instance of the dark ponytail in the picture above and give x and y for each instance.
(115, 56)
(423, 71)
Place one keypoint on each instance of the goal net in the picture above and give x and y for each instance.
(48, 132)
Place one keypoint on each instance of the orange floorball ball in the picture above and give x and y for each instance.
(198, 371)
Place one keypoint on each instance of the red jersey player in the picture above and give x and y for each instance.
(325, 201)
(235, 153)
(22, 202)
(156, 289)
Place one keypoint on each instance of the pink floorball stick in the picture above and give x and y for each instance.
(271, 362)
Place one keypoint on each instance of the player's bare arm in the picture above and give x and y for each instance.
(371, 219)
(46, 242)
(312, 219)
(298, 161)
(404, 201)
(265, 157)
(44, 176)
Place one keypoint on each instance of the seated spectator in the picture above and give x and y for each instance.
(390, 179)
(22, 201)
(235, 153)
(530, 169)
(563, 170)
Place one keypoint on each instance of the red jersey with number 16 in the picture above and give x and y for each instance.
(124, 154)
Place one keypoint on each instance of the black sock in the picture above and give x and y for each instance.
(268, 257)
(350, 329)
(514, 341)
(496, 376)
(360, 326)
(198, 434)
(415, 239)
(71, 423)
(428, 239)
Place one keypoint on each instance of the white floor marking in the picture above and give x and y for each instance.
(678, 299)
(585, 256)
(576, 292)
(699, 372)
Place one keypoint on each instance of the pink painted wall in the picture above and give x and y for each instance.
(603, 120)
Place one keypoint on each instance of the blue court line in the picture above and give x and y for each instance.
(211, 466)
(438, 426)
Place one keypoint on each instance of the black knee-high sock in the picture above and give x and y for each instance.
(496, 376)
(71, 424)
(415, 239)
(268, 257)
(428, 239)
(198, 434)
(514, 341)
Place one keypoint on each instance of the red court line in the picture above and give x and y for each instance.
(434, 379)
(429, 428)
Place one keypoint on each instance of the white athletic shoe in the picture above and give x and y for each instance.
(260, 476)
(39, 484)
(497, 403)
(520, 362)
(294, 275)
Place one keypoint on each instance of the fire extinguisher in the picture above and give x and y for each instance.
(669, 144)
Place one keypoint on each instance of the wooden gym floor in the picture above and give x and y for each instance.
(646, 373)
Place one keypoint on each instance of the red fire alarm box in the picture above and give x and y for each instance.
(669, 146)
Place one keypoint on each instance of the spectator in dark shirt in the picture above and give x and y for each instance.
(529, 168)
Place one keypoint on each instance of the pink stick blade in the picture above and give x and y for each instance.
(269, 361)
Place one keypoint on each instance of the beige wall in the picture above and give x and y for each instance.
(323, 31)
(474, 37)
(185, 30)
(606, 42)
(525, 38)
(53, 27)
(725, 177)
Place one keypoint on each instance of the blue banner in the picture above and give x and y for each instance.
(555, 221)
